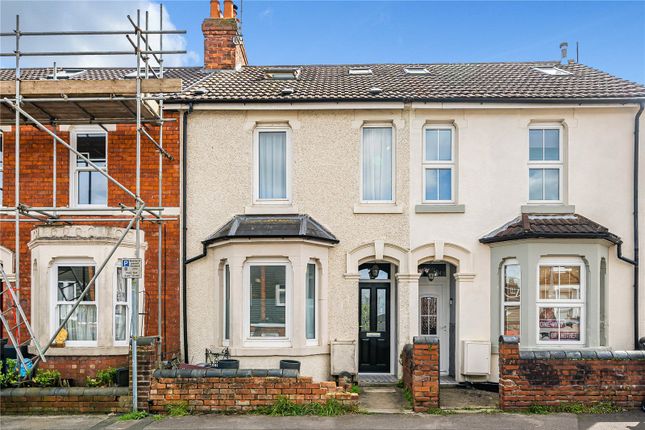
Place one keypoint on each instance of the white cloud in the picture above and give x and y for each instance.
(85, 15)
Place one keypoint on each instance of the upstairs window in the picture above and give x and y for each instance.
(272, 166)
(438, 164)
(377, 154)
(561, 300)
(70, 282)
(90, 186)
(545, 164)
(511, 295)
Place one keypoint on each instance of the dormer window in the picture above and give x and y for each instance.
(553, 71)
(416, 71)
(65, 73)
(282, 74)
(360, 71)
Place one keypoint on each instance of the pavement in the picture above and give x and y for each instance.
(634, 420)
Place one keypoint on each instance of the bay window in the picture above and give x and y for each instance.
(227, 302)
(272, 170)
(269, 301)
(511, 295)
(377, 165)
(82, 326)
(438, 164)
(561, 301)
(545, 164)
(90, 186)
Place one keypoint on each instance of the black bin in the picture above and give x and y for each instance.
(290, 364)
(122, 377)
(228, 364)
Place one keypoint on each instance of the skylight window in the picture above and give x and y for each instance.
(553, 71)
(152, 73)
(65, 73)
(360, 71)
(416, 71)
(282, 74)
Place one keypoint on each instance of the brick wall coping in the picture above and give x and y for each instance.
(64, 391)
(581, 354)
(225, 373)
(425, 340)
(509, 339)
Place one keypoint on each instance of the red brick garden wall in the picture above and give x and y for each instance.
(212, 390)
(420, 362)
(552, 378)
(64, 400)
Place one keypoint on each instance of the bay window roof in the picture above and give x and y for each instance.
(271, 226)
(551, 226)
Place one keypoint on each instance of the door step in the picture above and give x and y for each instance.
(377, 380)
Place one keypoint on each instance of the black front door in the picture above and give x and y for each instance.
(374, 328)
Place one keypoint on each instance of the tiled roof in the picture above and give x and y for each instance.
(444, 82)
(188, 75)
(556, 226)
(271, 226)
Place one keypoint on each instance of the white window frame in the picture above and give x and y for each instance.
(271, 342)
(505, 304)
(54, 300)
(379, 125)
(547, 164)
(314, 341)
(438, 164)
(128, 304)
(226, 277)
(256, 165)
(279, 292)
(74, 168)
(569, 303)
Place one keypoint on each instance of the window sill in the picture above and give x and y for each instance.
(267, 209)
(85, 351)
(377, 208)
(439, 208)
(540, 208)
(251, 351)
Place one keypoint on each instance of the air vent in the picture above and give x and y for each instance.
(287, 91)
(360, 71)
(282, 73)
(553, 71)
(416, 71)
(200, 91)
(65, 73)
(375, 90)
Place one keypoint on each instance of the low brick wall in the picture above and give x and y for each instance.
(72, 400)
(550, 378)
(211, 390)
(79, 368)
(420, 362)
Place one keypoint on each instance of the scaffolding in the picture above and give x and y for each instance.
(138, 101)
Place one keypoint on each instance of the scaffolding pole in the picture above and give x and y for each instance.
(30, 214)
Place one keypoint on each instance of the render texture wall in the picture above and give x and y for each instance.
(492, 181)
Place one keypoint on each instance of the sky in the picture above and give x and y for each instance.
(611, 34)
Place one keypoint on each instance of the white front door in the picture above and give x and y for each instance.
(434, 318)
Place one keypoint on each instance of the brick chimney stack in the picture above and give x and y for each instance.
(223, 44)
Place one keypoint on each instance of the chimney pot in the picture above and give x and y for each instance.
(228, 9)
(215, 9)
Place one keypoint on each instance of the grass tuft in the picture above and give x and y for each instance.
(138, 415)
(356, 389)
(284, 407)
(180, 409)
(439, 411)
(407, 395)
(575, 408)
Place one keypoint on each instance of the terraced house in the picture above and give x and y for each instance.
(334, 212)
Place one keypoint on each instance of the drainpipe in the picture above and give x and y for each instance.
(184, 213)
(619, 251)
